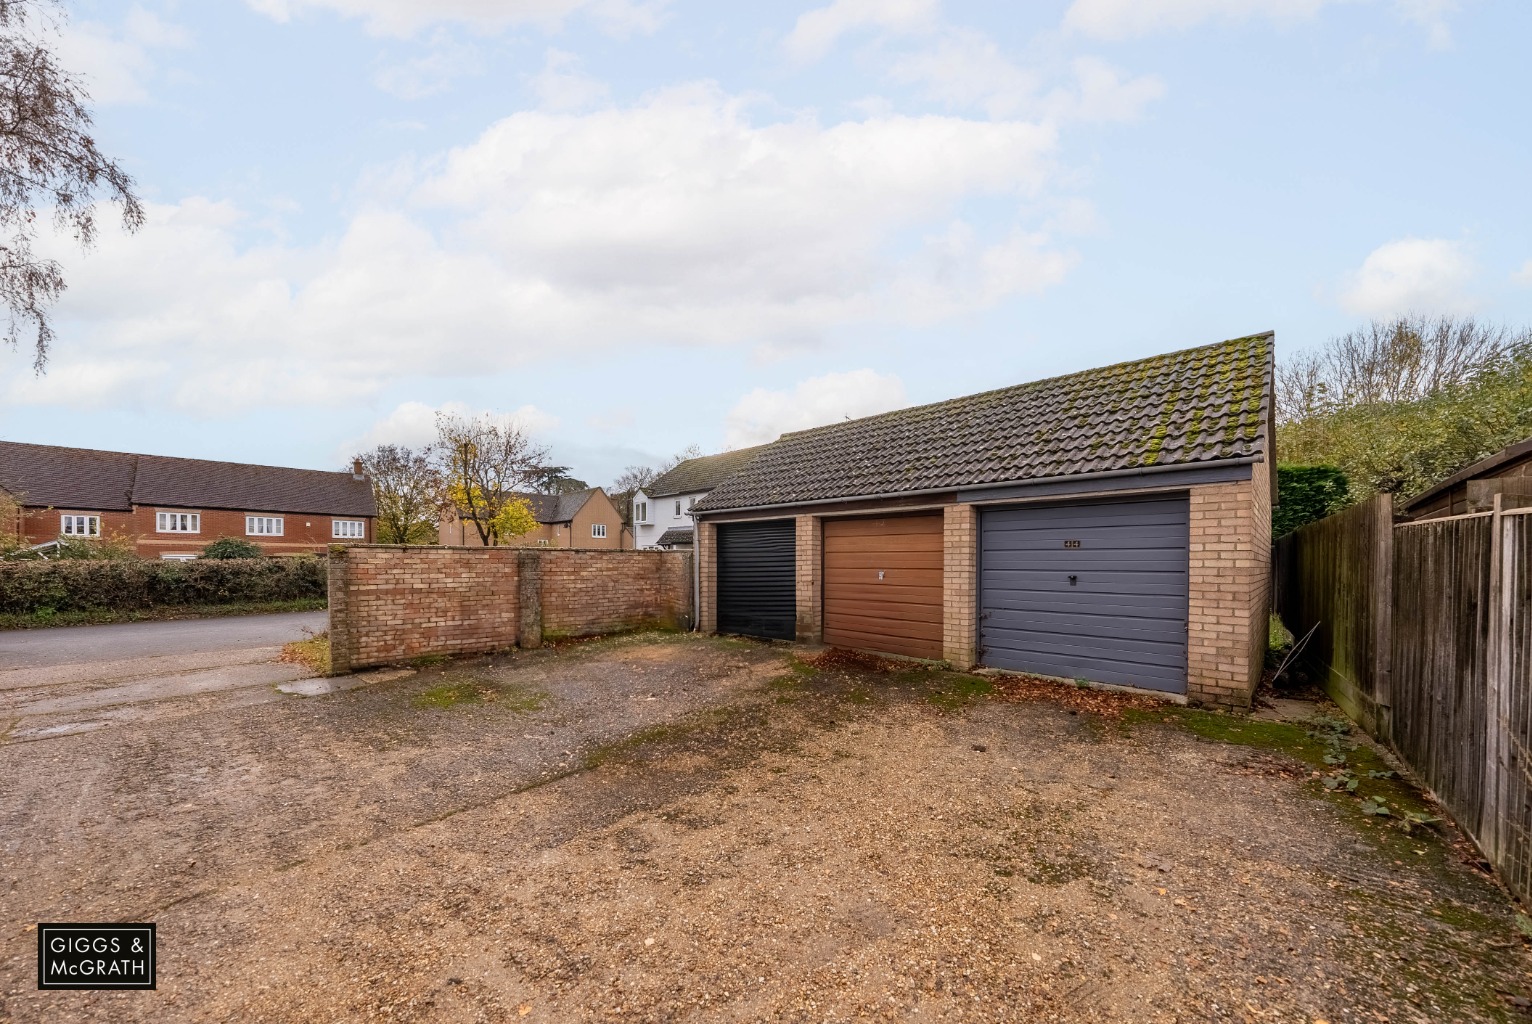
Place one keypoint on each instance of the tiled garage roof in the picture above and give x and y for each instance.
(1184, 408)
(82, 478)
(676, 535)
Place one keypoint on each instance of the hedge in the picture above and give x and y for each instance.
(64, 586)
(1307, 493)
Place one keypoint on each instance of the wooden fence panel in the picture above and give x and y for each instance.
(1332, 576)
(1424, 634)
(1514, 856)
(1441, 629)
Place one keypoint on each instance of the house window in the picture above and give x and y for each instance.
(690, 502)
(641, 512)
(678, 506)
(80, 526)
(178, 522)
(263, 526)
(351, 529)
(598, 529)
(178, 558)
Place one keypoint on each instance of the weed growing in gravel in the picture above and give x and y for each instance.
(958, 691)
(521, 700)
(1343, 765)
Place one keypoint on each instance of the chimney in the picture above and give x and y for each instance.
(356, 470)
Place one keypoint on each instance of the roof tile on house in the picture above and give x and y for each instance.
(695, 476)
(557, 508)
(82, 478)
(676, 535)
(1195, 406)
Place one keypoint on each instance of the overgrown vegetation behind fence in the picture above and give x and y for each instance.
(1423, 633)
(27, 588)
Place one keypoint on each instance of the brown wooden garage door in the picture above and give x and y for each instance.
(883, 584)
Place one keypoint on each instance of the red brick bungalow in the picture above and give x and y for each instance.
(173, 508)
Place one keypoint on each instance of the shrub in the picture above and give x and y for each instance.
(133, 585)
(106, 549)
(231, 547)
(1307, 493)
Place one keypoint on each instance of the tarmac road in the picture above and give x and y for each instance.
(79, 645)
(73, 679)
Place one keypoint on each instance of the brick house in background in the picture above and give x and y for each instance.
(173, 508)
(579, 519)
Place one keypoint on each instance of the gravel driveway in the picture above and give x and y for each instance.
(662, 829)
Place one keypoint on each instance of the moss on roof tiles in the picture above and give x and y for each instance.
(1197, 405)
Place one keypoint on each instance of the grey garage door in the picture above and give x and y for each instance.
(1088, 591)
(757, 589)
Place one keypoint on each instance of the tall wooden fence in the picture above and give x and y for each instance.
(1423, 632)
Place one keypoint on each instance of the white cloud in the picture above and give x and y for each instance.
(679, 221)
(413, 424)
(1101, 93)
(117, 64)
(763, 415)
(433, 71)
(1121, 19)
(561, 86)
(1421, 275)
(405, 18)
(1430, 15)
(1523, 276)
(966, 69)
(817, 31)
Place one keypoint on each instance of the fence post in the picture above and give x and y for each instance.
(1497, 697)
(340, 625)
(1382, 597)
(529, 598)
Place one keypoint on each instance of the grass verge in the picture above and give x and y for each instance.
(94, 617)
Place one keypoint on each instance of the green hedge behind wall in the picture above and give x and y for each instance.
(135, 585)
(1306, 494)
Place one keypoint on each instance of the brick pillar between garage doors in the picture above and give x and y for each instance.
(809, 573)
(960, 599)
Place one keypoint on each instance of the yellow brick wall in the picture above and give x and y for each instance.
(1230, 580)
(809, 541)
(707, 591)
(960, 574)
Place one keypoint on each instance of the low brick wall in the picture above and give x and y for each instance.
(390, 603)
(585, 593)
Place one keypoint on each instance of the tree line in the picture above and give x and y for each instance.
(477, 470)
(1395, 406)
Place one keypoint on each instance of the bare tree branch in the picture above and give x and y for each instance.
(49, 163)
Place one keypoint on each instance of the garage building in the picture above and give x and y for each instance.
(1111, 526)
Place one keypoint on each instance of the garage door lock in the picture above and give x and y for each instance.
(1074, 580)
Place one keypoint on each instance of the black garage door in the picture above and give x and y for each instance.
(757, 595)
(1095, 591)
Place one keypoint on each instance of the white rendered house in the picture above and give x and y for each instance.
(662, 511)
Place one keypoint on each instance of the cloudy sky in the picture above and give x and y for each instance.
(642, 224)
